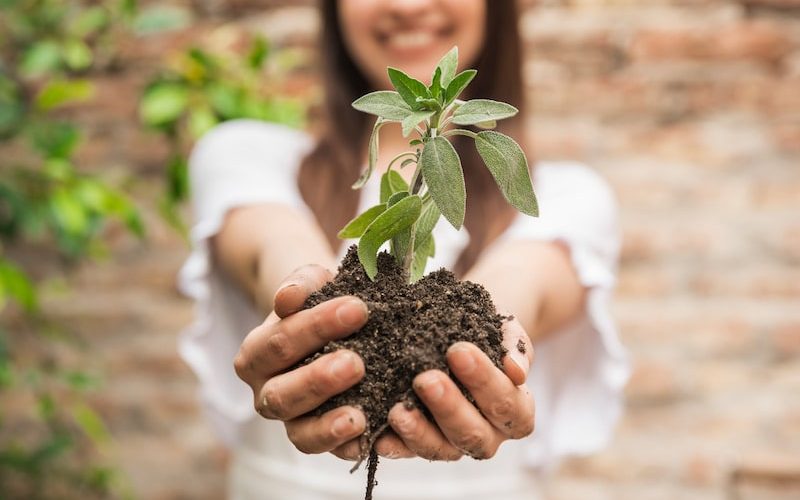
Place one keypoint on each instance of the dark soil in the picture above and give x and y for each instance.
(409, 330)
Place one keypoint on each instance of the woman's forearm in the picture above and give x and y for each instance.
(533, 280)
(259, 245)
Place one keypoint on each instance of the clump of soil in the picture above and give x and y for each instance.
(409, 330)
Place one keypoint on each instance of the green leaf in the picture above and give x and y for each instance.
(258, 53)
(392, 182)
(15, 283)
(441, 168)
(41, 57)
(458, 85)
(55, 139)
(507, 163)
(384, 227)
(163, 103)
(77, 55)
(396, 197)
(372, 155)
(486, 125)
(161, 18)
(89, 21)
(201, 120)
(421, 259)
(384, 103)
(448, 66)
(61, 92)
(409, 88)
(91, 424)
(482, 110)
(436, 83)
(69, 214)
(356, 227)
(427, 221)
(413, 119)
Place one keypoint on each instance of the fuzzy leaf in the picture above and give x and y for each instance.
(413, 119)
(393, 199)
(448, 65)
(421, 259)
(486, 125)
(507, 163)
(408, 88)
(392, 182)
(372, 156)
(427, 221)
(388, 224)
(441, 168)
(356, 227)
(482, 110)
(459, 83)
(436, 83)
(384, 103)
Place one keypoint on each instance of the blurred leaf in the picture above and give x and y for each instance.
(81, 381)
(178, 178)
(163, 103)
(89, 21)
(61, 92)
(201, 119)
(69, 214)
(225, 100)
(91, 424)
(15, 284)
(54, 139)
(46, 406)
(258, 53)
(160, 18)
(41, 57)
(77, 55)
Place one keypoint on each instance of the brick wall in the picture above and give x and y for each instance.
(691, 109)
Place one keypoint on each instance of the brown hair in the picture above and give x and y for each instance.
(328, 171)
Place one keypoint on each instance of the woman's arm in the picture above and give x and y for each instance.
(533, 280)
(259, 245)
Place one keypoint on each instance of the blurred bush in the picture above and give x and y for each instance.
(202, 87)
(52, 443)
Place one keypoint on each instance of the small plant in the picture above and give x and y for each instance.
(407, 214)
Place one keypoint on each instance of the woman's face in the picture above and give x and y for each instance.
(411, 35)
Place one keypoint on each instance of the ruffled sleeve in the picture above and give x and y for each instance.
(238, 163)
(580, 372)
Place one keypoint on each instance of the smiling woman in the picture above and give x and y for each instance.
(269, 200)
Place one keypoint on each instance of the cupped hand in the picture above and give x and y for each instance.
(288, 336)
(505, 406)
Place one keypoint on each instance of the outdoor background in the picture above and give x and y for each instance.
(690, 108)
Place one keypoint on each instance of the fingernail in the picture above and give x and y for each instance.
(344, 426)
(463, 359)
(431, 387)
(285, 287)
(343, 365)
(520, 360)
(352, 313)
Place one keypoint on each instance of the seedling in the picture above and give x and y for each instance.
(407, 213)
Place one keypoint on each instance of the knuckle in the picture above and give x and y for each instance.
(279, 347)
(473, 442)
(273, 401)
(503, 408)
(523, 429)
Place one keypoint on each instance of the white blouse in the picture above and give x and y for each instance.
(577, 377)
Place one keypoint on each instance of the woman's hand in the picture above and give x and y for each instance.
(506, 406)
(288, 336)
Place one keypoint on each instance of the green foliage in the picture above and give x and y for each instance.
(437, 186)
(202, 88)
(48, 51)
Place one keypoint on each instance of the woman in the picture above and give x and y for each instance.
(269, 200)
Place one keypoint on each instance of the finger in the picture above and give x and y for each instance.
(389, 445)
(350, 450)
(459, 420)
(271, 348)
(326, 432)
(420, 436)
(295, 289)
(517, 363)
(299, 391)
(509, 408)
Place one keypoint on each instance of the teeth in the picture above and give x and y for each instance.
(413, 39)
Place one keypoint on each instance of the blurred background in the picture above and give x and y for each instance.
(690, 108)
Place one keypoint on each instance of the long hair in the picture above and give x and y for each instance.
(328, 170)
